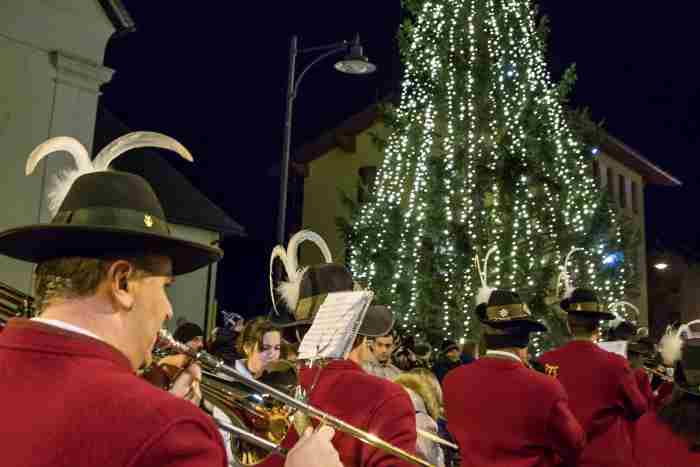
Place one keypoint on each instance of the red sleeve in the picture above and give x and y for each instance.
(644, 385)
(565, 433)
(634, 402)
(395, 422)
(663, 393)
(184, 443)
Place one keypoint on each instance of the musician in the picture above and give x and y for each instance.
(638, 352)
(382, 348)
(261, 344)
(501, 412)
(424, 389)
(603, 391)
(341, 387)
(69, 377)
(190, 334)
(670, 435)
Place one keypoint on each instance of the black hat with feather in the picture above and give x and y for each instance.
(505, 319)
(306, 288)
(98, 212)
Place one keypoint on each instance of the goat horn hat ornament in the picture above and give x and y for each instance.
(305, 289)
(502, 311)
(578, 300)
(98, 212)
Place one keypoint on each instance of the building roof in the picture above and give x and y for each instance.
(359, 122)
(625, 155)
(182, 202)
(118, 16)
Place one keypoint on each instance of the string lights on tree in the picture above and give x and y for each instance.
(480, 154)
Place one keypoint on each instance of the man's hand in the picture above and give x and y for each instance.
(314, 449)
(186, 385)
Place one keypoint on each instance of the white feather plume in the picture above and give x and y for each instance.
(60, 186)
(671, 345)
(63, 181)
(290, 289)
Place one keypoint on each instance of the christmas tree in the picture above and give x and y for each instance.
(481, 154)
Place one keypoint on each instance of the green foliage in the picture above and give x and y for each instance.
(482, 152)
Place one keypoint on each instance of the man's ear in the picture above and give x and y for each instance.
(121, 289)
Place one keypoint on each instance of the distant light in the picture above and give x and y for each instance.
(510, 73)
(613, 259)
(461, 341)
(661, 266)
(595, 151)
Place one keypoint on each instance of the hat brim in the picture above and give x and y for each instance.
(601, 315)
(378, 321)
(283, 319)
(43, 242)
(518, 325)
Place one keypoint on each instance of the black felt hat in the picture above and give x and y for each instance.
(505, 313)
(104, 214)
(307, 289)
(584, 302)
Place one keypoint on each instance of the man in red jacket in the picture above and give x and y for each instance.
(71, 394)
(341, 387)
(502, 413)
(670, 436)
(603, 391)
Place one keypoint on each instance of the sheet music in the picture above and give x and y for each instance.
(617, 347)
(335, 326)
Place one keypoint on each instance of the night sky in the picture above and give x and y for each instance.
(213, 75)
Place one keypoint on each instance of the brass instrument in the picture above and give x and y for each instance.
(215, 366)
(656, 372)
(263, 417)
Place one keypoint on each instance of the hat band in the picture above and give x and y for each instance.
(586, 306)
(98, 216)
(308, 306)
(507, 312)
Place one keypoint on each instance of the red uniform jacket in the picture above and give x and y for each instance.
(663, 393)
(603, 394)
(372, 404)
(71, 400)
(644, 385)
(655, 445)
(503, 414)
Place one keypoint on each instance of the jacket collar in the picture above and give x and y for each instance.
(35, 336)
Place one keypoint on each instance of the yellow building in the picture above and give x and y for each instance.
(343, 157)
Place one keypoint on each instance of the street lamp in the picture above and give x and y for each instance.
(354, 63)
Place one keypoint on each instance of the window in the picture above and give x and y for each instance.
(609, 182)
(596, 173)
(635, 198)
(622, 189)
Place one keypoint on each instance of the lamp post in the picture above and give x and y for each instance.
(354, 63)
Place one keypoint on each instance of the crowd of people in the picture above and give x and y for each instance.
(85, 383)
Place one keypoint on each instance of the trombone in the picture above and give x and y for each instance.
(215, 365)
